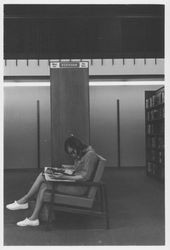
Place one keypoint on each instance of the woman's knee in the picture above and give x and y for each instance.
(43, 186)
(41, 175)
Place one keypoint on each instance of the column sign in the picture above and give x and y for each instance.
(56, 64)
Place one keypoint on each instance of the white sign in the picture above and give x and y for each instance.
(65, 64)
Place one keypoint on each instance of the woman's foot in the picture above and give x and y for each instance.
(23, 200)
(28, 222)
(16, 206)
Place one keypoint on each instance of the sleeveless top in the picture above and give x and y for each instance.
(84, 167)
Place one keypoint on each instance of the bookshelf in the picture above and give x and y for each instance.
(154, 131)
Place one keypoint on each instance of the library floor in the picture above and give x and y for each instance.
(136, 205)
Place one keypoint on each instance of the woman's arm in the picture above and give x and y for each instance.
(71, 177)
(66, 177)
(90, 161)
(68, 166)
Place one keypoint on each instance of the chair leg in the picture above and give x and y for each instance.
(105, 206)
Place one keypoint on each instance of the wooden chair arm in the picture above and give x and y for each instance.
(88, 183)
(77, 183)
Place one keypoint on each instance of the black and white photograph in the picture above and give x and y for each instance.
(84, 92)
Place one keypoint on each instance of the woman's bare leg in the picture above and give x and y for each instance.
(39, 202)
(35, 187)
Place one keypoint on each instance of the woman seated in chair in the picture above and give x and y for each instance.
(85, 160)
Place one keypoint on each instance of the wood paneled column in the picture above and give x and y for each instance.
(69, 106)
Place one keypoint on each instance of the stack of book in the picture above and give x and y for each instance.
(154, 128)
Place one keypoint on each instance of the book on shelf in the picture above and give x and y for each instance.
(149, 129)
(155, 100)
(151, 168)
(155, 169)
(153, 155)
(163, 97)
(160, 157)
(155, 114)
(159, 98)
(148, 116)
(151, 102)
(158, 129)
(153, 142)
(147, 103)
(160, 142)
(161, 128)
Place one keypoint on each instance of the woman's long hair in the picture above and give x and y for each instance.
(75, 143)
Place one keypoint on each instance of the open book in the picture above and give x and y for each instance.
(53, 174)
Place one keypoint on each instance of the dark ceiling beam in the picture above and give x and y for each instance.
(83, 31)
(91, 78)
(82, 17)
(82, 10)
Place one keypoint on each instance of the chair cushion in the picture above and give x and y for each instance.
(79, 201)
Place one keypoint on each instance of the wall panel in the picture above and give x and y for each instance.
(132, 123)
(20, 131)
(20, 127)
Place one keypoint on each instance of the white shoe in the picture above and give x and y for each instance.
(28, 222)
(16, 206)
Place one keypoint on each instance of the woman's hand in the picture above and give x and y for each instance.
(56, 176)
